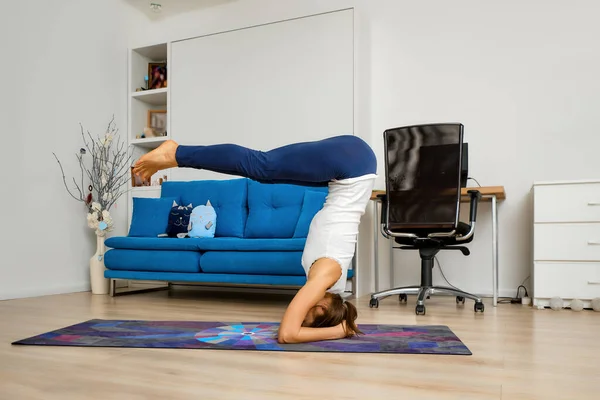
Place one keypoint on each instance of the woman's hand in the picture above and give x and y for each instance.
(323, 274)
(343, 329)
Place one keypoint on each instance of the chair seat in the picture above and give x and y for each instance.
(424, 241)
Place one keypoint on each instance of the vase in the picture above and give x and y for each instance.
(98, 281)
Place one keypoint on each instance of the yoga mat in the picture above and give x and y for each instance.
(399, 339)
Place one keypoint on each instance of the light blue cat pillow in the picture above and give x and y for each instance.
(203, 221)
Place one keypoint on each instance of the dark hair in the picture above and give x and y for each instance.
(337, 311)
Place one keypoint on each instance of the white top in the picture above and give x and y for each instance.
(333, 232)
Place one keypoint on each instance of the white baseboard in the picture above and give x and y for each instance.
(25, 292)
(85, 287)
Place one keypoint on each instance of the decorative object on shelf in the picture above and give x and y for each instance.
(150, 133)
(576, 305)
(109, 160)
(157, 74)
(137, 181)
(159, 180)
(157, 122)
(556, 303)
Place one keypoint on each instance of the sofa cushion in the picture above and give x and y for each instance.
(235, 244)
(205, 244)
(313, 202)
(273, 210)
(252, 262)
(138, 243)
(150, 216)
(236, 279)
(228, 197)
(153, 260)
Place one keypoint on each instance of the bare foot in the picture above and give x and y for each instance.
(162, 157)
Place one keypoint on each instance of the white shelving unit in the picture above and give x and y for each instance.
(140, 102)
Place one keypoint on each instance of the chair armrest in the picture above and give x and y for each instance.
(475, 197)
(383, 199)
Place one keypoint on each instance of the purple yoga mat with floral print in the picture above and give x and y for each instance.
(261, 336)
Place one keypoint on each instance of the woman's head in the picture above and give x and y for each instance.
(332, 310)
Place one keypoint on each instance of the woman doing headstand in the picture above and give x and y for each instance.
(348, 166)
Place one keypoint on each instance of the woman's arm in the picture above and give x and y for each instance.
(323, 274)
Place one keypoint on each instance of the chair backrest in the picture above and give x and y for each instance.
(423, 177)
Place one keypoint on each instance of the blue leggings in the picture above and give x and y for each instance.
(308, 163)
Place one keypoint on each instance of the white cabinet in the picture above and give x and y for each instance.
(566, 241)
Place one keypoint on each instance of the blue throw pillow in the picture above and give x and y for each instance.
(313, 202)
(179, 220)
(150, 216)
(203, 222)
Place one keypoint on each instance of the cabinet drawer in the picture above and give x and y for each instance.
(567, 203)
(567, 280)
(566, 242)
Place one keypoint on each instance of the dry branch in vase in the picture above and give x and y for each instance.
(107, 175)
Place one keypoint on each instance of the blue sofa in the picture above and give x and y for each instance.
(259, 236)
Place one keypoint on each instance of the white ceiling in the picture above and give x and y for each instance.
(173, 7)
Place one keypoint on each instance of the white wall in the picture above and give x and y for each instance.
(270, 110)
(64, 63)
(522, 77)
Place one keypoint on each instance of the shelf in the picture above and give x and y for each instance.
(145, 188)
(154, 96)
(157, 52)
(149, 143)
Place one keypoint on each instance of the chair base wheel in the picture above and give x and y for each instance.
(420, 309)
(460, 299)
(403, 298)
(373, 303)
(479, 307)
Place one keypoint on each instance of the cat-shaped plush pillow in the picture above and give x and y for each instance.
(203, 221)
(179, 220)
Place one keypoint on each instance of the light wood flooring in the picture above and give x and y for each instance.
(518, 353)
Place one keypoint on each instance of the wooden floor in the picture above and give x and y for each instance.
(518, 353)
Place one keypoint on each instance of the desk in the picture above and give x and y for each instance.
(488, 193)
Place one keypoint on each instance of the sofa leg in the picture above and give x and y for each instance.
(113, 289)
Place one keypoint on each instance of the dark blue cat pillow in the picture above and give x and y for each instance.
(179, 220)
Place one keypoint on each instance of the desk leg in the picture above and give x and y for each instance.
(355, 270)
(391, 240)
(495, 249)
(376, 246)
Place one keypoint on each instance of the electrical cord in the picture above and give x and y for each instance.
(473, 179)
(517, 298)
(501, 300)
(442, 272)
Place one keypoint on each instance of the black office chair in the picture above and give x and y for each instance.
(425, 172)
